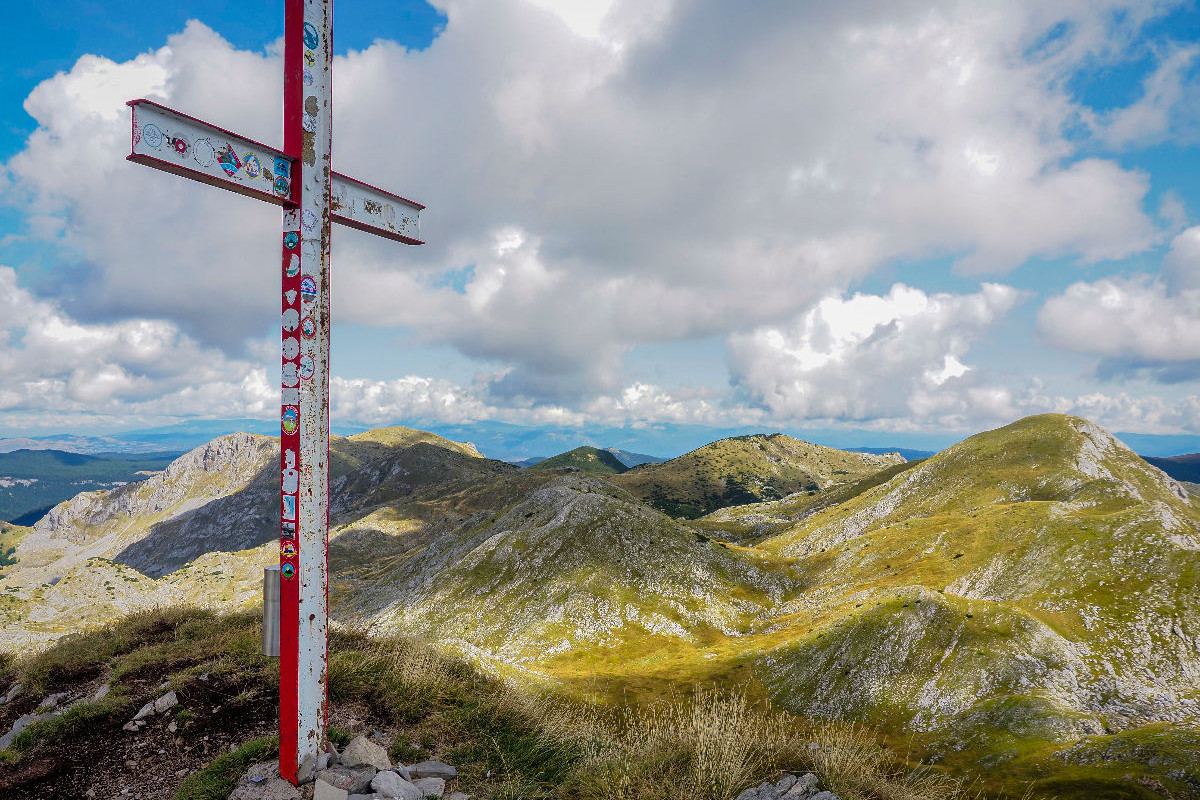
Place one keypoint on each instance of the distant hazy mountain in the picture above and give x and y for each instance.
(635, 459)
(1181, 468)
(33, 481)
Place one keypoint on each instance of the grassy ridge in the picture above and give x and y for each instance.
(584, 459)
(508, 743)
(745, 469)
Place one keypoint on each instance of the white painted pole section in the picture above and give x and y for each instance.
(314, 175)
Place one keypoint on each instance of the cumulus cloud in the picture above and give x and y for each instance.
(607, 173)
(867, 356)
(55, 365)
(1136, 324)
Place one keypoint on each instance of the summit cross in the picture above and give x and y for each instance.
(300, 179)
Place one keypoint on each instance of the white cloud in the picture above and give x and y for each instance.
(868, 356)
(1136, 323)
(618, 172)
(54, 365)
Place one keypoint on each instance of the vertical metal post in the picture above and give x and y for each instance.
(308, 119)
(270, 629)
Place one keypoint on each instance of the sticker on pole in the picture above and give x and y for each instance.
(291, 419)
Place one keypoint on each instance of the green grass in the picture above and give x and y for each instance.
(218, 779)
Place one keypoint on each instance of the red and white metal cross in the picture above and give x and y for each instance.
(299, 179)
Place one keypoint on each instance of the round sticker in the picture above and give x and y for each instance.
(307, 367)
(291, 418)
(308, 77)
(205, 154)
(182, 145)
(291, 318)
(291, 348)
(281, 186)
(152, 136)
(310, 36)
(293, 267)
(290, 376)
(291, 239)
(288, 549)
(229, 160)
(309, 123)
(308, 328)
(287, 570)
(252, 165)
(308, 288)
(310, 58)
(308, 221)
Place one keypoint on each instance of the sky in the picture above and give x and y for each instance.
(888, 217)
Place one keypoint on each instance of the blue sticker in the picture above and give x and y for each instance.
(291, 239)
(310, 36)
(283, 167)
(287, 570)
(251, 165)
(152, 136)
(308, 288)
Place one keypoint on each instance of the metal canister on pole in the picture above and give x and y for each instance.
(270, 628)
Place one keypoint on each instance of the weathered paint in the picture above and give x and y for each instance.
(308, 95)
(355, 204)
(300, 178)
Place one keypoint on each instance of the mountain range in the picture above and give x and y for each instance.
(1022, 603)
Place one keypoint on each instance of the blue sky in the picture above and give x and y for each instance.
(890, 219)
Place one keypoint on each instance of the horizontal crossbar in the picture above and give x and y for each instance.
(177, 143)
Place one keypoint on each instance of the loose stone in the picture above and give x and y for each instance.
(431, 787)
(362, 750)
(433, 769)
(389, 784)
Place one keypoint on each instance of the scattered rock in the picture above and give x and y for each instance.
(146, 711)
(355, 780)
(805, 787)
(431, 787)
(325, 791)
(51, 702)
(101, 693)
(21, 724)
(362, 750)
(166, 702)
(130, 726)
(789, 787)
(433, 769)
(459, 796)
(172, 727)
(262, 782)
(13, 692)
(391, 785)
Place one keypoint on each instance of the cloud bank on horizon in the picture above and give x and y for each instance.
(890, 215)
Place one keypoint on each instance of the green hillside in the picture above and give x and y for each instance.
(746, 469)
(31, 481)
(1019, 607)
(584, 459)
